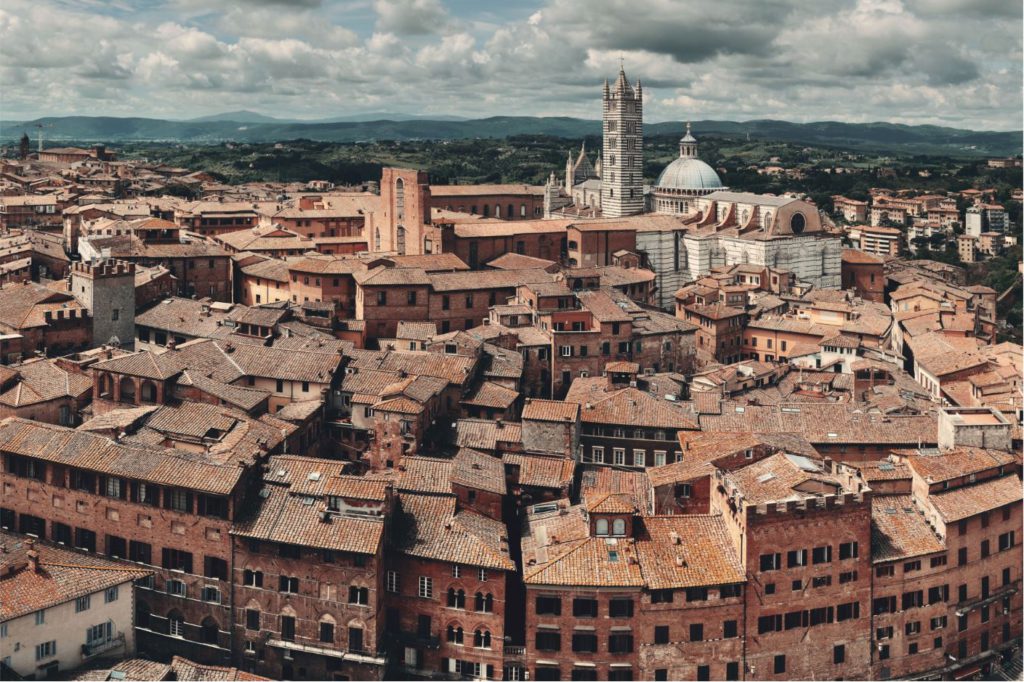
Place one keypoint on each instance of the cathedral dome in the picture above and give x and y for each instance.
(688, 174)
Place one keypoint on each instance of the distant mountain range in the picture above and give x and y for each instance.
(245, 116)
(247, 126)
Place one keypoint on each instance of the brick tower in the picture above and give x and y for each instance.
(622, 161)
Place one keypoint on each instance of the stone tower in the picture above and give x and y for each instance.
(107, 289)
(622, 160)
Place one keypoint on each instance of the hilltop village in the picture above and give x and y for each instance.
(587, 430)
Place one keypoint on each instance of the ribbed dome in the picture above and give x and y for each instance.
(689, 174)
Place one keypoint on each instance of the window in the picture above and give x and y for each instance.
(483, 603)
(661, 596)
(110, 594)
(177, 560)
(938, 561)
(46, 650)
(821, 555)
(411, 298)
(838, 654)
(939, 622)
(796, 557)
(732, 670)
(911, 566)
(620, 608)
(210, 594)
(1006, 541)
(937, 594)
(548, 640)
(426, 587)
(326, 632)
(780, 664)
(848, 550)
(885, 571)
(912, 599)
(620, 642)
(82, 603)
(883, 652)
(961, 556)
(696, 632)
(176, 626)
(177, 588)
(548, 606)
(288, 628)
(848, 611)
(214, 567)
(252, 619)
(454, 634)
(703, 672)
(288, 584)
(884, 633)
(771, 562)
(391, 581)
(847, 577)
(729, 629)
(696, 594)
(358, 595)
(252, 578)
(585, 608)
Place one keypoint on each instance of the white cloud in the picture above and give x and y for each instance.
(908, 60)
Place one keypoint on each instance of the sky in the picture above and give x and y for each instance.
(944, 62)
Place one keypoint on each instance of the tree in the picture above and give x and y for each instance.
(24, 145)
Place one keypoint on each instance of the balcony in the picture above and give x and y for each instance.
(97, 648)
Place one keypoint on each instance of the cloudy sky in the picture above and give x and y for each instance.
(948, 62)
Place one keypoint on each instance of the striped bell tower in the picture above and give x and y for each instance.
(622, 160)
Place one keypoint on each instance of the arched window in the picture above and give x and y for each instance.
(497, 210)
(376, 239)
(454, 634)
(106, 386)
(209, 630)
(127, 390)
(176, 624)
(327, 624)
(482, 639)
(511, 212)
(619, 527)
(456, 599)
(522, 210)
(487, 210)
(602, 526)
(400, 241)
(400, 199)
(484, 603)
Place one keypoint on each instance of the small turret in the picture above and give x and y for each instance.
(688, 145)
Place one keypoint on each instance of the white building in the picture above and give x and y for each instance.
(683, 179)
(62, 608)
(622, 160)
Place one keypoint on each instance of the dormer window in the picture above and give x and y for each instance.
(602, 527)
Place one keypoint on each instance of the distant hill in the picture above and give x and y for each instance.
(245, 116)
(242, 116)
(921, 139)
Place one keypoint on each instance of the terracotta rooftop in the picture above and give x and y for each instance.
(899, 530)
(432, 529)
(64, 575)
(957, 463)
(677, 552)
(537, 409)
(970, 500)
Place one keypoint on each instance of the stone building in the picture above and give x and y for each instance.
(107, 290)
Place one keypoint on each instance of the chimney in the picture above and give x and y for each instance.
(33, 555)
